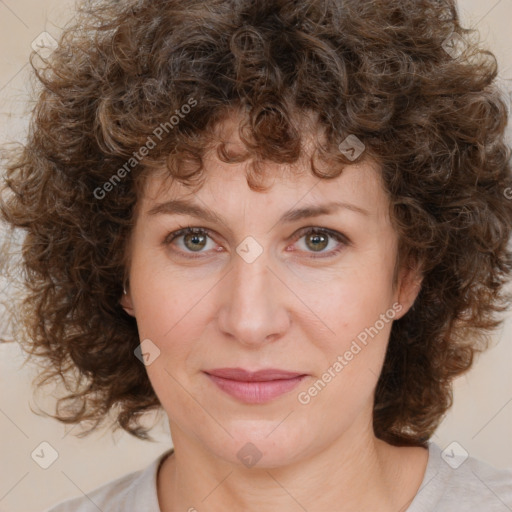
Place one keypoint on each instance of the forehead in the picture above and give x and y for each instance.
(225, 184)
(225, 196)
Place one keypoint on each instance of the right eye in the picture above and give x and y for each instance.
(193, 240)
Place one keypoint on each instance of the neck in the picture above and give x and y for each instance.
(357, 472)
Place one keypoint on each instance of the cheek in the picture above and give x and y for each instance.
(359, 313)
(360, 316)
(166, 306)
(163, 294)
(171, 317)
(348, 301)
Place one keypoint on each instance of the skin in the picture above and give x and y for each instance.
(286, 310)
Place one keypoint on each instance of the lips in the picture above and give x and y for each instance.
(254, 387)
(240, 374)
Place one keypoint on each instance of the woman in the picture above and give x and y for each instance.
(284, 223)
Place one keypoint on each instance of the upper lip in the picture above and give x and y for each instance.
(246, 376)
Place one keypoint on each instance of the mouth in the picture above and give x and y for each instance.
(254, 387)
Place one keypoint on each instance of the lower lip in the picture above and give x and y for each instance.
(256, 392)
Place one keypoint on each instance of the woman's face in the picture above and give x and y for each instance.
(259, 289)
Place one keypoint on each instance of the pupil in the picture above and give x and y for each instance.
(318, 238)
(194, 237)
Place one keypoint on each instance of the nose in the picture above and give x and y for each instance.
(253, 306)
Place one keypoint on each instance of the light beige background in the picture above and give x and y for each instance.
(480, 421)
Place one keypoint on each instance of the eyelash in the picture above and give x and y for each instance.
(339, 237)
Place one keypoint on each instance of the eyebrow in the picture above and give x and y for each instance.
(182, 207)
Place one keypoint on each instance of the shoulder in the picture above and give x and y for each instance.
(454, 481)
(134, 491)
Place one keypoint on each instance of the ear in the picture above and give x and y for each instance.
(126, 302)
(408, 288)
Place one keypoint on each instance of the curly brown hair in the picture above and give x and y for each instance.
(429, 112)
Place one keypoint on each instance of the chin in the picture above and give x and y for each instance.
(260, 445)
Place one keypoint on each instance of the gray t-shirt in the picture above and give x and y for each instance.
(473, 486)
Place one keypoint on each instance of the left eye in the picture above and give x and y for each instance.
(316, 240)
